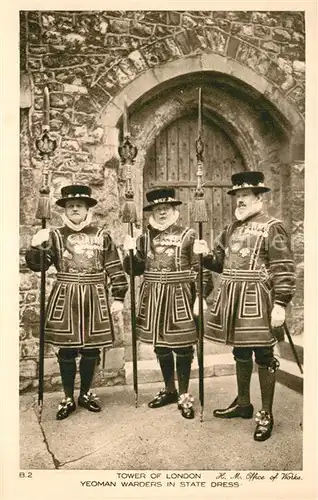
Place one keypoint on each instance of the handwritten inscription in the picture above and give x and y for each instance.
(254, 476)
(290, 475)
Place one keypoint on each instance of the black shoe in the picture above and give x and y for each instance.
(66, 407)
(234, 411)
(185, 404)
(89, 401)
(264, 427)
(163, 398)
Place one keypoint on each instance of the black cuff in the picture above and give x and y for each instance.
(120, 299)
(280, 303)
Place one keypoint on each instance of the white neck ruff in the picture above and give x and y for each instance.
(77, 227)
(162, 227)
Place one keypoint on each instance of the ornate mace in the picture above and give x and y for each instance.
(200, 215)
(46, 146)
(128, 152)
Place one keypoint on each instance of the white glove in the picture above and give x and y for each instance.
(200, 247)
(40, 237)
(278, 316)
(116, 307)
(129, 243)
(196, 306)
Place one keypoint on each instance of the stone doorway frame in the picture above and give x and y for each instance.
(110, 117)
(145, 87)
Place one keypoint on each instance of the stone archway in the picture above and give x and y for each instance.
(263, 124)
(258, 132)
(148, 83)
(232, 78)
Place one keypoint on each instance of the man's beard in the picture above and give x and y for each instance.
(242, 213)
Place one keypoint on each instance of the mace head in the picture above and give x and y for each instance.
(127, 151)
(46, 145)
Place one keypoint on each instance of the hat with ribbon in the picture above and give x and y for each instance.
(161, 195)
(76, 192)
(248, 179)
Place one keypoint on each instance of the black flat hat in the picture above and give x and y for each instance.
(76, 192)
(248, 179)
(161, 195)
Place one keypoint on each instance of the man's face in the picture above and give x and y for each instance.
(76, 210)
(245, 199)
(162, 212)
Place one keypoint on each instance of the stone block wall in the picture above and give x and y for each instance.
(86, 58)
(297, 208)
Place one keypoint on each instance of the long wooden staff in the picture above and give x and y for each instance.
(292, 345)
(128, 152)
(200, 216)
(46, 147)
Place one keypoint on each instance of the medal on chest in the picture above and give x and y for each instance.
(237, 241)
(163, 250)
(81, 245)
(166, 244)
(244, 239)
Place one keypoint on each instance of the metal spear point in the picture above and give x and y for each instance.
(128, 152)
(46, 147)
(200, 216)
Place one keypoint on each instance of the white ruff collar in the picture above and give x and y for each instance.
(255, 209)
(162, 227)
(77, 227)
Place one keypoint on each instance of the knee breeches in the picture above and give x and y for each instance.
(264, 356)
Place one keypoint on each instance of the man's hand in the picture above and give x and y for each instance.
(200, 247)
(278, 316)
(129, 243)
(40, 237)
(116, 307)
(196, 306)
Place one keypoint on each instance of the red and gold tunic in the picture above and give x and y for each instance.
(169, 268)
(255, 259)
(87, 263)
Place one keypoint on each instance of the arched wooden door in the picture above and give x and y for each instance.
(171, 161)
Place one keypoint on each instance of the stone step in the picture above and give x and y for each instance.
(289, 375)
(215, 365)
(285, 350)
(146, 352)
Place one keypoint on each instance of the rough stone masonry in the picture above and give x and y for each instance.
(87, 58)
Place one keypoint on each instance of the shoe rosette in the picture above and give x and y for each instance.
(89, 401)
(263, 418)
(90, 397)
(65, 403)
(186, 401)
(160, 393)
